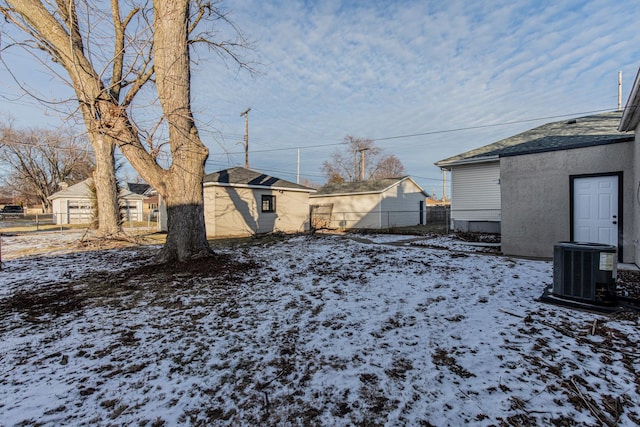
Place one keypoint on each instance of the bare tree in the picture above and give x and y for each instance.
(39, 160)
(388, 166)
(150, 49)
(360, 158)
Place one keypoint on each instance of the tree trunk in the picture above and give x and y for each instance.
(186, 236)
(104, 179)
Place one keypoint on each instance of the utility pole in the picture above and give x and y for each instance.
(355, 167)
(362, 150)
(245, 113)
(619, 90)
(444, 186)
(298, 175)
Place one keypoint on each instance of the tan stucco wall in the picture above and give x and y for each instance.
(236, 211)
(535, 193)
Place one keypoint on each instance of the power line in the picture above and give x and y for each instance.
(435, 132)
(212, 163)
(487, 126)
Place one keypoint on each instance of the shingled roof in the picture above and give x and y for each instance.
(238, 176)
(83, 190)
(360, 187)
(598, 129)
(138, 188)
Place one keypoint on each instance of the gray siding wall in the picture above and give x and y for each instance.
(636, 198)
(536, 192)
(475, 193)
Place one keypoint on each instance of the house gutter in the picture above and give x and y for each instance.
(347, 194)
(470, 161)
(631, 114)
(257, 187)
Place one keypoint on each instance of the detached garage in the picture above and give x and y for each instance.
(374, 204)
(243, 202)
(73, 204)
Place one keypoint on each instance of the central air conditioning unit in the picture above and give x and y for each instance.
(585, 272)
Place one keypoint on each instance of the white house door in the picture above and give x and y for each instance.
(595, 210)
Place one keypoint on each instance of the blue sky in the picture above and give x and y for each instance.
(381, 69)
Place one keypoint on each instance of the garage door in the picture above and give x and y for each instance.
(79, 212)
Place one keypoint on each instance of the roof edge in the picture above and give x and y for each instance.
(471, 160)
(399, 181)
(257, 187)
(631, 113)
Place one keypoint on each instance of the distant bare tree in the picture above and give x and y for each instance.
(345, 164)
(388, 167)
(39, 160)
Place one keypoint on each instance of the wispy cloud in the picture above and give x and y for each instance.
(378, 69)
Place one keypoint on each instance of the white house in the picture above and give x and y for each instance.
(374, 204)
(73, 204)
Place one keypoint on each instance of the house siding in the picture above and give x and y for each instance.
(536, 196)
(635, 198)
(475, 193)
(352, 211)
(402, 204)
(236, 211)
(398, 206)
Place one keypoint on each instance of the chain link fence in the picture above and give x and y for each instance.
(62, 221)
(323, 217)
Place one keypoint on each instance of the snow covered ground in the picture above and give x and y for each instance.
(322, 330)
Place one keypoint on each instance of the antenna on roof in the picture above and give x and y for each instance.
(619, 90)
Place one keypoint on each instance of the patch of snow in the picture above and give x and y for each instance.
(328, 331)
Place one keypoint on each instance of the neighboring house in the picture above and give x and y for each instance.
(631, 122)
(151, 203)
(571, 180)
(73, 204)
(373, 204)
(242, 202)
